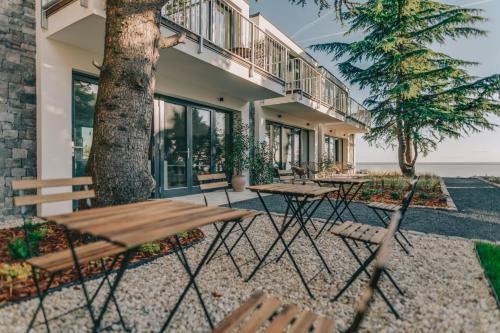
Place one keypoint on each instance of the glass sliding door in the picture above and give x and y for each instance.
(201, 142)
(289, 145)
(175, 145)
(194, 140)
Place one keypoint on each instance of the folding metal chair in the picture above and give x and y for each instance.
(288, 177)
(370, 236)
(383, 211)
(263, 313)
(56, 262)
(218, 181)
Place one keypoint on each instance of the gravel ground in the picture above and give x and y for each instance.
(445, 286)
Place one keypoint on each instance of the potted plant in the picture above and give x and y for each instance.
(238, 156)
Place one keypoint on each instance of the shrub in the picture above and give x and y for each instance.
(150, 248)
(395, 195)
(366, 194)
(443, 198)
(424, 196)
(18, 248)
(10, 272)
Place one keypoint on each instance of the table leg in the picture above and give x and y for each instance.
(280, 238)
(192, 280)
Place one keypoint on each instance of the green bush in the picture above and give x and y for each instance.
(150, 248)
(395, 195)
(17, 247)
(443, 198)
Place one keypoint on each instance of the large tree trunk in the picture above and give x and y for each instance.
(405, 159)
(119, 157)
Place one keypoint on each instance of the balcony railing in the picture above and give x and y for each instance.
(358, 114)
(304, 78)
(224, 26)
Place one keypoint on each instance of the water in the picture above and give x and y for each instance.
(440, 169)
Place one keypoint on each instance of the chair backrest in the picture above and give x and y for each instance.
(213, 181)
(409, 196)
(22, 200)
(381, 258)
(286, 176)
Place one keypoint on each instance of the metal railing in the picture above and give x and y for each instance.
(358, 113)
(307, 79)
(224, 26)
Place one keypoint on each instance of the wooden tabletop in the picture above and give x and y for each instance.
(292, 189)
(135, 224)
(341, 180)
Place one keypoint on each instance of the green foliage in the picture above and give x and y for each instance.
(489, 256)
(395, 195)
(237, 156)
(261, 164)
(418, 96)
(150, 248)
(184, 234)
(492, 179)
(18, 248)
(366, 194)
(443, 198)
(424, 196)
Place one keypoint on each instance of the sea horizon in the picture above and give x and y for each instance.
(443, 169)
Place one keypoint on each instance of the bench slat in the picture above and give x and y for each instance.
(27, 184)
(61, 260)
(46, 198)
(211, 176)
(213, 186)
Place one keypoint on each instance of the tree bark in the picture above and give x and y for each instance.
(119, 156)
(407, 166)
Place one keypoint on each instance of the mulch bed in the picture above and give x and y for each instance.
(433, 199)
(56, 241)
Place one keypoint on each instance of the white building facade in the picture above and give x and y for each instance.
(233, 66)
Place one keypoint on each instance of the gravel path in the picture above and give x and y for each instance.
(478, 215)
(445, 285)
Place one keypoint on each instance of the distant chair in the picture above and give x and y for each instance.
(383, 211)
(370, 236)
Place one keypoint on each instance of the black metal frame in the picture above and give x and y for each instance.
(88, 300)
(296, 206)
(364, 264)
(243, 229)
(342, 198)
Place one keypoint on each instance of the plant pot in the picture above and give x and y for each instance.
(238, 183)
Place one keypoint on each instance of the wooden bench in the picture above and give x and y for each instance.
(384, 206)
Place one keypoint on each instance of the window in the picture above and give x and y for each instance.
(84, 98)
(332, 149)
(289, 145)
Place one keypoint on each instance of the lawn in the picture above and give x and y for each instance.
(489, 256)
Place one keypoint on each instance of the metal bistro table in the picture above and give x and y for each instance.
(296, 197)
(132, 225)
(347, 186)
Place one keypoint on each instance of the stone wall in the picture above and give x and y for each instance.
(17, 97)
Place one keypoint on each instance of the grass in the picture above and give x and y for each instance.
(489, 256)
(492, 179)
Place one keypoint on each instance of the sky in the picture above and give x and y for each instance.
(306, 27)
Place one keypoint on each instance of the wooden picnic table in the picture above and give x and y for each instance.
(132, 225)
(291, 189)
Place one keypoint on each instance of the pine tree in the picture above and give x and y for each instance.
(418, 95)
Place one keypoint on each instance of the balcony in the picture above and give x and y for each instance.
(220, 26)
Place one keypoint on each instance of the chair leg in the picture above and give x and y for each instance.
(244, 234)
(223, 242)
(223, 237)
(391, 279)
(41, 297)
(115, 302)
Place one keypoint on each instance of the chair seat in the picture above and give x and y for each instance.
(384, 206)
(262, 313)
(360, 231)
(61, 260)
